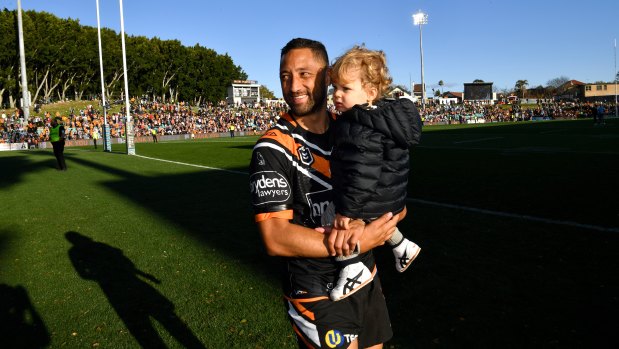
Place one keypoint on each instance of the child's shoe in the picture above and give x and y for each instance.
(352, 278)
(405, 253)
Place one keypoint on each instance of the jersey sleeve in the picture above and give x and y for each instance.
(269, 181)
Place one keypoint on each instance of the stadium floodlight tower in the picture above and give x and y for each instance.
(420, 19)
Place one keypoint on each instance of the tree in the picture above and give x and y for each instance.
(557, 82)
(441, 84)
(521, 86)
(62, 60)
(265, 93)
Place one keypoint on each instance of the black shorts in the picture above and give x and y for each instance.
(321, 323)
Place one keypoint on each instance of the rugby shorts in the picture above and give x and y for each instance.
(321, 323)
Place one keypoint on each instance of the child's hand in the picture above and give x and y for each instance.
(342, 242)
(341, 222)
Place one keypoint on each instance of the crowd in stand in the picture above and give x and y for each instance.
(475, 113)
(164, 119)
(174, 119)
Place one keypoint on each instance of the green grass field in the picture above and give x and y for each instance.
(518, 224)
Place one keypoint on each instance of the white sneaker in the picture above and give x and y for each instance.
(352, 278)
(405, 253)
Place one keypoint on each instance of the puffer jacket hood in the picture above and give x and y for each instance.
(396, 119)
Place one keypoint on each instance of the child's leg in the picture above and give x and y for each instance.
(353, 275)
(396, 238)
(404, 250)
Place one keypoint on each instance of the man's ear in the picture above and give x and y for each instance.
(328, 76)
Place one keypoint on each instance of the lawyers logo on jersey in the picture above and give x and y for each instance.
(305, 155)
(318, 202)
(268, 187)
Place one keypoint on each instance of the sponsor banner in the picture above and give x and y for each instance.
(120, 140)
(107, 138)
(13, 146)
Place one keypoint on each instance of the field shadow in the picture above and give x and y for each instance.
(15, 167)
(134, 299)
(21, 326)
(212, 206)
(243, 147)
(481, 282)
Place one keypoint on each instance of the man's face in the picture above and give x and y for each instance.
(303, 80)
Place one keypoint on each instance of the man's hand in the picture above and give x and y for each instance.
(377, 232)
(342, 242)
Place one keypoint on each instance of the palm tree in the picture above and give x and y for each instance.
(521, 85)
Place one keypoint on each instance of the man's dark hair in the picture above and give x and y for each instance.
(317, 48)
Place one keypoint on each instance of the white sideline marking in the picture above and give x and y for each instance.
(192, 165)
(515, 215)
(478, 140)
(439, 204)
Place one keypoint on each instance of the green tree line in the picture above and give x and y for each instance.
(62, 62)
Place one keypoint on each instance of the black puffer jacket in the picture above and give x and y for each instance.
(370, 160)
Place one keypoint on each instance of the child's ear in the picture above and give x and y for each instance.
(372, 92)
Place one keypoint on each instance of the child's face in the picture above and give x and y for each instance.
(349, 91)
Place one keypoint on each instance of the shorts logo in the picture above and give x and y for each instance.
(334, 339)
(305, 155)
(268, 187)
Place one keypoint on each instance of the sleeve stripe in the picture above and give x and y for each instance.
(293, 161)
(287, 214)
(312, 145)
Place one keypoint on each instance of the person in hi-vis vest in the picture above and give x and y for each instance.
(56, 137)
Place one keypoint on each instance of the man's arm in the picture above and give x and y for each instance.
(285, 239)
(343, 242)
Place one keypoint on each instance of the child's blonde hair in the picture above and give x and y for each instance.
(372, 65)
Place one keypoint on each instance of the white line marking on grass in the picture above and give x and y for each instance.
(531, 150)
(439, 204)
(192, 165)
(478, 140)
(515, 215)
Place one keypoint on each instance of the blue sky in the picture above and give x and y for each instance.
(493, 40)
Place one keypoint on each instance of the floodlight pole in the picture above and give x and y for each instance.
(22, 59)
(128, 122)
(420, 19)
(107, 145)
(616, 78)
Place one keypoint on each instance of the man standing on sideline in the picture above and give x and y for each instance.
(231, 130)
(290, 186)
(600, 114)
(153, 132)
(56, 137)
(95, 135)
